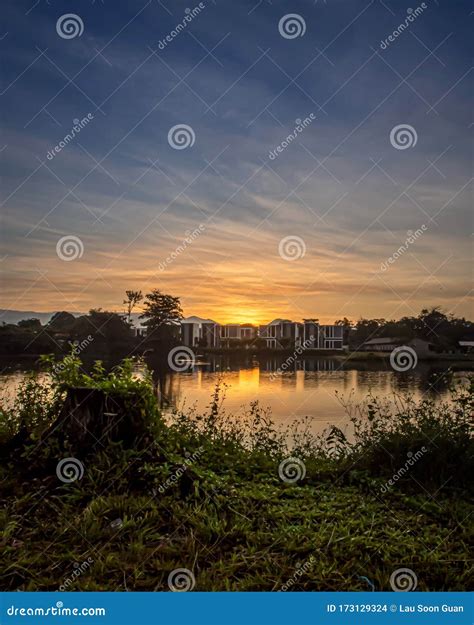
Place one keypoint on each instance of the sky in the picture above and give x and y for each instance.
(181, 176)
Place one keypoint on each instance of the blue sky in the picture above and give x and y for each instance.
(344, 194)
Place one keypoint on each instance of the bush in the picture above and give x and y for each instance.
(424, 443)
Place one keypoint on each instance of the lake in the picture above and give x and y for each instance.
(313, 389)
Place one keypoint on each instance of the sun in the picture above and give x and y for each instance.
(242, 315)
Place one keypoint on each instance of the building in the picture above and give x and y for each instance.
(420, 346)
(197, 332)
(248, 332)
(380, 345)
(210, 334)
(274, 332)
(310, 334)
(139, 330)
(282, 333)
(235, 333)
(279, 334)
(230, 332)
(190, 333)
(466, 344)
(330, 337)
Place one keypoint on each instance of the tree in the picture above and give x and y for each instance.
(61, 322)
(133, 298)
(109, 328)
(365, 329)
(347, 328)
(30, 324)
(15, 340)
(432, 324)
(161, 310)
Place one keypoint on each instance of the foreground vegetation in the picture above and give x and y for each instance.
(208, 492)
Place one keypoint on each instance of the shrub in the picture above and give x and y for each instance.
(433, 440)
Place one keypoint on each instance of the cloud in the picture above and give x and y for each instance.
(340, 184)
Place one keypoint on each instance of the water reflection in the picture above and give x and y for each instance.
(309, 388)
(313, 388)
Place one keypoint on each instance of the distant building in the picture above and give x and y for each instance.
(248, 332)
(190, 333)
(210, 334)
(235, 333)
(230, 332)
(421, 347)
(311, 333)
(282, 333)
(279, 334)
(274, 332)
(330, 337)
(466, 344)
(196, 332)
(380, 345)
(139, 330)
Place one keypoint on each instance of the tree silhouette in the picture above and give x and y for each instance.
(133, 298)
(160, 310)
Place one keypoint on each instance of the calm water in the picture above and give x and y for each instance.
(312, 389)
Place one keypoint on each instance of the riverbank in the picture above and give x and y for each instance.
(223, 500)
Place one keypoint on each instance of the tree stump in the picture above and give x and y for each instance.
(91, 419)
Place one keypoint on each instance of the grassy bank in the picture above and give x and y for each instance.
(216, 496)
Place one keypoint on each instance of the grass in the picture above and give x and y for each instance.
(228, 517)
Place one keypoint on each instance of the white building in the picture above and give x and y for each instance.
(282, 333)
